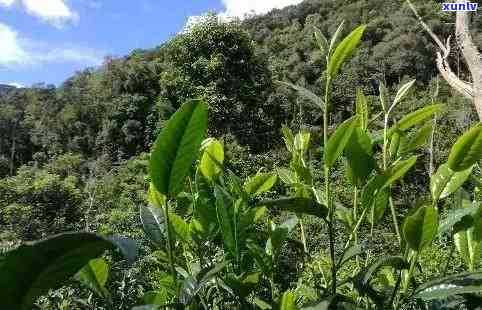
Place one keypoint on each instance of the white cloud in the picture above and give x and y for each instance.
(7, 2)
(242, 8)
(55, 12)
(238, 8)
(19, 52)
(11, 53)
(14, 84)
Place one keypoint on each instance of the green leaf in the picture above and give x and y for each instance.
(371, 189)
(34, 268)
(335, 36)
(350, 253)
(302, 141)
(362, 281)
(191, 286)
(379, 206)
(288, 138)
(160, 297)
(415, 140)
(153, 224)
(260, 183)
(420, 228)
(177, 147)
(278, 236)
(261, 304)
(446, 181)
(360, 162)
(419, 116)
(306, 93)
(363, 278)
(180, 227)
(225, 219)
(467, 150)
(243, 285)
(362, 108)
(262, 260)
(402, 92)
(321, 40)
(395, 141)
(384, 97)
(344, 50)
(94, 275)
(458, 284)
(398, 170)
(211, 159)
(288, 301)
(455, 217)
(339, 140)
(467, 237)
(296, 205)
(286, 176)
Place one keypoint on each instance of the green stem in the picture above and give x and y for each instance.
(169, 242)
(410, 273)
(331, 221)
(385, 164)
(355, 229)
(395, 221)
(393, 299)
(355, 216)
(303, 236)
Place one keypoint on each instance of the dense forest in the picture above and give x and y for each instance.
(77, 157)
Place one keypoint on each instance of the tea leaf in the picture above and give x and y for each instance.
(296, 205)
(260, 183)
(177, 147)
(420, 228)
(446, 181)
(362, 108)
(344, 50)
(467, 150)
(402, 92)
(211, 159)
(153, 224)
(34, 268)
(321, 41)
(288, 301)
(94, 275)
(458, 284)
(339, 140)
(419, 116)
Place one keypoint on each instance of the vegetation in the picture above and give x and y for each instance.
(318, 195)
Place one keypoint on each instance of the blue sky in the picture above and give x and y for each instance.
(49, 40)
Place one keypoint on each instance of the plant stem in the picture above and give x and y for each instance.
(410, 272)
(169, 242)
(393, 300)
(331, 221)
(303, 236)
(385, 164)
(355, 215)
(355, 229)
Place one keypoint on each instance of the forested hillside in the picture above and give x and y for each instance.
(76, 157)
(115, 110)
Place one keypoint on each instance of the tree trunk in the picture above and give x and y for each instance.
(471, 56)
(470, 90)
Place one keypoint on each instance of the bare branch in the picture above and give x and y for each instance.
(427, 28)
(472, 91)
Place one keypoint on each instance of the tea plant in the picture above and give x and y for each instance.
(217, 245)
